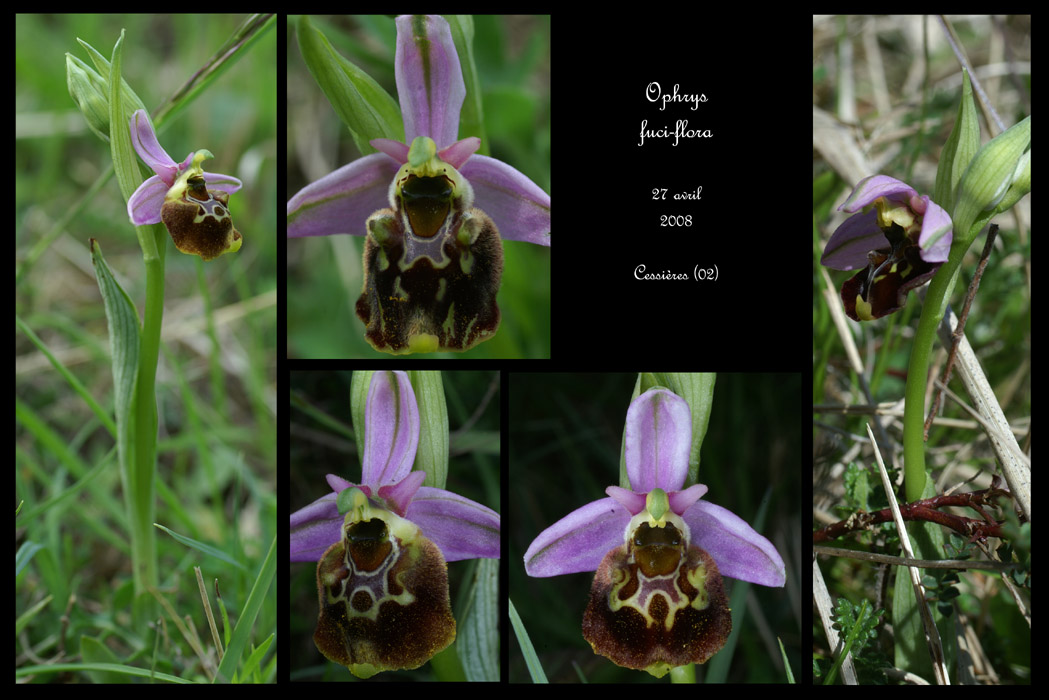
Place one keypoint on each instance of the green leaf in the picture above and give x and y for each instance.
(93, 651)
(857, 487)
(478, 641)
(202, 547)
(361, 103)
(124, 164)
(432, 456)
(23, 620)
(39, 669)
(25, 554)
(360, 384)
(251, 664)
(254, 28)
(959, 150)
(471, 119)
(535, 669)
(858, 625)
(246, 623)
(697, 388)
(786, 662)
(912, 651)
(122, 317)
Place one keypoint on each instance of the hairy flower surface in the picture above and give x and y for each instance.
(193, 204)
(382, 545)
(433, 211)
(658, 550)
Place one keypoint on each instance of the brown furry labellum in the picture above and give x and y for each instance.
(383, 593)
(657, 602)
(199, 221)
(432, 269)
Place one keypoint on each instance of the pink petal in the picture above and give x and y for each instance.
(341, 201)
(391, 429)
(578, 541)
(738, 549)
(633, 502)
(459, 152)
(144, 139)
(658, 441)
(519, 207)
(398, 496)
(429, 79)
(462, 528)
(395, 149)
(680, 501)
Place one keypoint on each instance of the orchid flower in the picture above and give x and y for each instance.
(193, 204)
(658, 550)
(433, 211)
(918, 232)
(388, 527)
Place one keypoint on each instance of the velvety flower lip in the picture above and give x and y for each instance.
(431, 91)
(144, 205)
(658, 437)
(460, 527)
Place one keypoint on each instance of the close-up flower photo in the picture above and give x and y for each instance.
(378, 531)
(668, 512)
(921, 349)
(446, 181)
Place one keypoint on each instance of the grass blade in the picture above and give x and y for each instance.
(535, 669)
(202, 547)
(247, 618)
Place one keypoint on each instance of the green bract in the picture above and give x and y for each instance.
(961, 146)
(90, 90)
(988, 180)
(363, 106)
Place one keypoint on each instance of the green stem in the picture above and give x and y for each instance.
(143, 468)
(921, 350)
(139, 463)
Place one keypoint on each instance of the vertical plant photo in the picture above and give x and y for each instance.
(145, 313)
(921, 349)
(418, 186)
(395, 526)
(655, 525)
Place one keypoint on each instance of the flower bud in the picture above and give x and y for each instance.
(990, 176)
(90, 92)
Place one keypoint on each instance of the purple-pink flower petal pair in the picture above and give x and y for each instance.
(897, 245)
(460, 527)
(657, 445)
(433, 212)
(431, 90)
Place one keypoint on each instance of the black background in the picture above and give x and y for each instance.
(742, 224)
